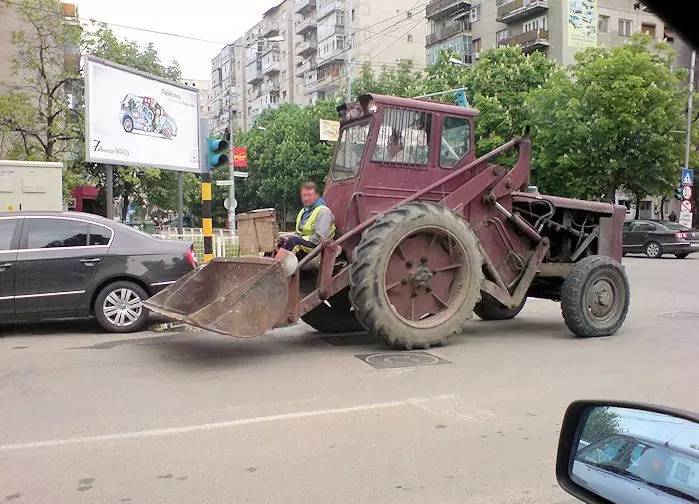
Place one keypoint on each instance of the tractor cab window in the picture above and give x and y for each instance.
(349, 151)
(455, 142)
(404, 138)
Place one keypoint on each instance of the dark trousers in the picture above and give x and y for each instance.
(295, 240)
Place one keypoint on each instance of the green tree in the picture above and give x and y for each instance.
(38, 119)
(389, 80)
(601, 422)
(138, 186)
(610, 122)
(284, 150)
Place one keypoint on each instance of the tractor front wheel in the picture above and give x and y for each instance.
(334, 317)
(595, 297)
(416, 276)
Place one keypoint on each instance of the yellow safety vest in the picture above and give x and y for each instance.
(306, 231)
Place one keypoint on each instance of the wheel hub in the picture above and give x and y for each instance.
(420, 277)
(601, 299)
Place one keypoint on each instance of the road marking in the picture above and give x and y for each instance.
(216, 425)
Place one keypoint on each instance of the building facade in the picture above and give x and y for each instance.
(203, 88)
(558, 28)
(309, 54)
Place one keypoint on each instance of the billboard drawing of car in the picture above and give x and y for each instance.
(145, 114)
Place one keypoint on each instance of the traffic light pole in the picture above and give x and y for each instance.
(232, 203)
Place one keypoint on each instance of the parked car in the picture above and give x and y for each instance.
(655, 238)
(145, 114)
(74, 265)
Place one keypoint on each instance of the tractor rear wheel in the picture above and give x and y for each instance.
(336, 318)
(595, 297)
(490, 308)
(416, 276)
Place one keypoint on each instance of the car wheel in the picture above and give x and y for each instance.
(653, 250)
(127, 123)
(682, 255)
(119, 307)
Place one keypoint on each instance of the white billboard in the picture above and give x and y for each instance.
(136, 119)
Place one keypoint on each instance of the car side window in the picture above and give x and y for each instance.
(455, 141)
(56, 233)
(99, 235)
(7, 231)
(644, 226)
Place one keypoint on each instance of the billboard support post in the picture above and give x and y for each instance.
(180, 202)
(109, 190)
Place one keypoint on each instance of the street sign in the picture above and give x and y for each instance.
(687, 192)
(329, 130)
(224, 182)
(240, 157)
(227, 204)
(687, 177)
(240, 174)
(685, 219)
(686, 207)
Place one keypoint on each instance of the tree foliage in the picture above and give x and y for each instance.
(601, 422)
(610, 122)
(38, 120)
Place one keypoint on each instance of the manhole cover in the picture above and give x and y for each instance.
(681, 315)
(387, 360)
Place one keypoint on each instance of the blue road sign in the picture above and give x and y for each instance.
(687, 177)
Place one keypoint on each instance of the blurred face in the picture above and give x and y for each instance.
(308, 196)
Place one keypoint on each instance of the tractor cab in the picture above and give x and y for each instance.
(389, 147)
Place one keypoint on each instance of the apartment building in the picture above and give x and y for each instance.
(559, 28)
(203, 88)
(298, 53)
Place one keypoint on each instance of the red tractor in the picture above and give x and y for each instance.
(428, 234)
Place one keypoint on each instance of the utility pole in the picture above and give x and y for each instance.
(690, 100)
(231, 128)
(349, 39)
(109, 190)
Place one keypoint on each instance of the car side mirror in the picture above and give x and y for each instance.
(620, 452)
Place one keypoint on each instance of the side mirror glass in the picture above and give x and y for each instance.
(627, 453)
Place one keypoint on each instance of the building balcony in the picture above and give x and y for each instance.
(306, 47)
(521, 9)
(531, 40)
(270, 67)
(328, 8)
(304, 6)
(253, 74)
(270, 87)
(457, 28)
(446, 8)
(306, 25)
(270, 28)
(305, 66)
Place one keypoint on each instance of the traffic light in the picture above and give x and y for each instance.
(678, 193)
(218, 152)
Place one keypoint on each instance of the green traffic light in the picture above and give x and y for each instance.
(218, 152)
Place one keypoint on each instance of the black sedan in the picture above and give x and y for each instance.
(655, 238)
(73, 265)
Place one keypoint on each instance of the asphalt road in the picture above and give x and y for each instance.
(291, 417)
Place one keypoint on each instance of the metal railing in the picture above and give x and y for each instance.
(448, 31)
(507, 9)
(437, 6)
(224, 244)
(528, 38)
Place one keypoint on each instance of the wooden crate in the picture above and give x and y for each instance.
(257, 231)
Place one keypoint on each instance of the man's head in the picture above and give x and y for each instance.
(309, 193)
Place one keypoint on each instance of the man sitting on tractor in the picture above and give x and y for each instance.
(314, 222)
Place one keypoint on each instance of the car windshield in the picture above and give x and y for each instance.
(350, 150)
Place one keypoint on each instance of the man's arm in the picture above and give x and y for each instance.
(323, 224)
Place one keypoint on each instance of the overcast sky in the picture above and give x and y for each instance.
(217, 20)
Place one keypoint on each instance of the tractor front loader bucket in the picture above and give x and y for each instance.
(244, 296)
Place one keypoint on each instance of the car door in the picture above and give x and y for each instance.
(10, 229)
(632, 239)
(644, 231)
(55, 266)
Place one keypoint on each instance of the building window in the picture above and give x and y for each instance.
(354, 15)
(475, 13)
(603, 24)
(648, 29)
(410, 38)
(502, 35)
(476, 45)
(625, 27)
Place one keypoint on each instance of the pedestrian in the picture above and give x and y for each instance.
(672, 217)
